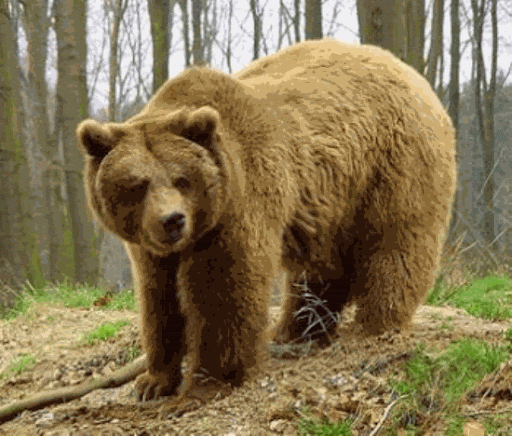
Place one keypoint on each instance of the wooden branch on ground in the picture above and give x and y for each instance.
(68, 393)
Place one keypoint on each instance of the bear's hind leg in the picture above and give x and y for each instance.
(394, 280)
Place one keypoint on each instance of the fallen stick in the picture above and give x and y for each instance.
(68, 393)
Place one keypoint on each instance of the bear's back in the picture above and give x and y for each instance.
(320, 58)
(333, 75)
(329, 61)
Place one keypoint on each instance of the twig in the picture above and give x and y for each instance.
(386, 412)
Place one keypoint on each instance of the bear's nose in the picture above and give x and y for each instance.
(173, 224)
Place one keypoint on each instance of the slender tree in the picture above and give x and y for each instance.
(256, 18)
(296, 19)
(485, 94)
(436, 42)
(36, 23)
(414, 43)
(115, 9)
(376, 19)
(454, 92)
(210, 29)
(313, 19)
(229, 51)
(186, 37)
(197, 43)
(395, 25)
(18, 246)
(159, 14)
(71, 109)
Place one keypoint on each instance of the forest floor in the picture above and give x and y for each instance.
(348, 380)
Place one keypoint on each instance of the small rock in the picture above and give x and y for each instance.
(279, 425)
(45, 419)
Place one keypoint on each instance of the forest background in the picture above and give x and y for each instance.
(65, 60)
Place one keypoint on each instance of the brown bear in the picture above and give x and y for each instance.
(330, 158)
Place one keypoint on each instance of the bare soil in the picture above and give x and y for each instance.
(345, 379)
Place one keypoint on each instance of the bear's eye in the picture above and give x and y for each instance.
(182, 183)
(132, 192)
(136, 185)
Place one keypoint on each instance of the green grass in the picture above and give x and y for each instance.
(436, 381)
(134, 351)
(68, 295)
(104, 332)
(23, 362)
(489, 297)
(311, 427)
(498, 425)
(455, 371)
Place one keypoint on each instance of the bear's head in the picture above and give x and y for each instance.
(158, 180)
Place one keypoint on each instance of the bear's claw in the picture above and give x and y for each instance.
(151, 387)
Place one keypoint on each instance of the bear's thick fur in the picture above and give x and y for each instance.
(333, 158)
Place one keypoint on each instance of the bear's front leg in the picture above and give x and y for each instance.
(226, 303)
(162, 323)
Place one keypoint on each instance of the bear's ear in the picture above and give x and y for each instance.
(200, 126)
(95, 138)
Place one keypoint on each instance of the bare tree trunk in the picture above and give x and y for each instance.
(313, 19)
(117, 8)
(376, 20)
(453, 108)
(210, 30)
(72, 108)
(485, 114)
(440, 85)
(36, 25)
(197, 44)
(436, 42)
(229, 53)
(490, 95)
(296, 19)
(281, 24)
(186, 37)
(17, 238)
(256, 18)
(414, 43)
(397, 26)
(159, 13)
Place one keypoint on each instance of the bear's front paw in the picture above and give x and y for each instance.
(153, 386)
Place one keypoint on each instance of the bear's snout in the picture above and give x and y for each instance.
(173, 225)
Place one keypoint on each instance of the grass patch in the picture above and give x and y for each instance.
(498, 425)
(454, 425)
(435, 383)
(454, 372)
(134, 351)
(104, 332)
(489, 297)
(310, 427)
(68, 295)
(23, 362)
(123, 301)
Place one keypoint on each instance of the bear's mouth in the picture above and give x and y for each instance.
(156, 247)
